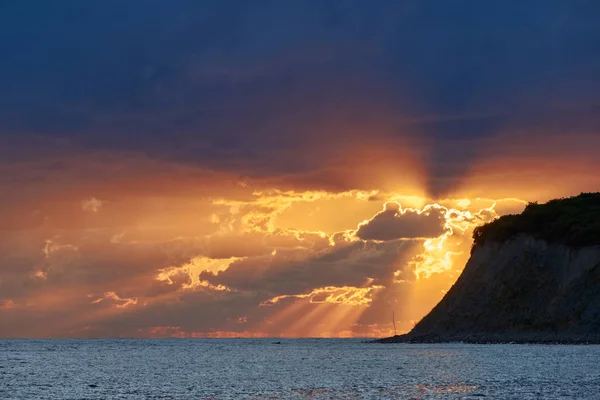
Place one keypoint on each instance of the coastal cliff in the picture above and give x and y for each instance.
(531, 278)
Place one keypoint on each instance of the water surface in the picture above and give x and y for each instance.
(294, 369)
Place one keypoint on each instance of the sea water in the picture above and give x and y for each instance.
(293, 369)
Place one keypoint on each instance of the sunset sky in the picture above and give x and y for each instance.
(275, 168)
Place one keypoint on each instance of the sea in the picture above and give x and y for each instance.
(293, 369)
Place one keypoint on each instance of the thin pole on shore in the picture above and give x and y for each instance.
(394, 321)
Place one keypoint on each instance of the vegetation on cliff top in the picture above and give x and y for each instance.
(573, 221)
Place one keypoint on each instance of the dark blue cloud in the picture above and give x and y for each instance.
(194, 80)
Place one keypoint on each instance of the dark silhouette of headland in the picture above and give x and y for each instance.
(531, 278)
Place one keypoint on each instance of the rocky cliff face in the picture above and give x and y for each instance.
(520, 290)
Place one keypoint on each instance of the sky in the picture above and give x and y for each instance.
(275, 168)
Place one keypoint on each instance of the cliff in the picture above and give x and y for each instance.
(533, 277)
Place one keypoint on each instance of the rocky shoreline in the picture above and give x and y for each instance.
(512, 338)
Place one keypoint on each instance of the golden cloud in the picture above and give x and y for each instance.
(354, 296)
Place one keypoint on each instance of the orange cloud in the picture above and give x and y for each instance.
(348, 295)
(92, 204)
(116, 301)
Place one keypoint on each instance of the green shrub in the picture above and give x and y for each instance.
(573, 221)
